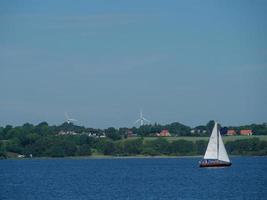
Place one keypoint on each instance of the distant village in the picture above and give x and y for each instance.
(146, 129)
(166, 133)
(245, 132)
(103, 135)
(163, 133)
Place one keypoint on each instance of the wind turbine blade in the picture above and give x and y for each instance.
(137, 121)
(146, 119)
(66, 115)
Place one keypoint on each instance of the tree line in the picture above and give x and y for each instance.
(43, 140)
(176, 129)
(82, 145)
(178, 147)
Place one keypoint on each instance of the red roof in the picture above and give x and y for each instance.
(246, 132)
(231, 132)
(165, 132)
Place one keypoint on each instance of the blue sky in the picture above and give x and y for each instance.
(101, 61)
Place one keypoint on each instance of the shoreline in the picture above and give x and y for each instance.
(101, 157)
(117, 157)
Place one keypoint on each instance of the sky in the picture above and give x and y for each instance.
(101, 61)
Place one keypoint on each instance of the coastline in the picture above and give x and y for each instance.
(99, 157)
(103, 157)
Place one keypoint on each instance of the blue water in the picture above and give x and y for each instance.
(123, 179)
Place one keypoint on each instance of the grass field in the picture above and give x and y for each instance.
(193, 139)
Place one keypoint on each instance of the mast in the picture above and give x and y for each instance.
(217, 141)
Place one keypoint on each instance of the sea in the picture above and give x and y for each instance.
(131, 179)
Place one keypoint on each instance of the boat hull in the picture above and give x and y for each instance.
(215, 164)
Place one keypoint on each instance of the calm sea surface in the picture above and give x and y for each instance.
(123, 179)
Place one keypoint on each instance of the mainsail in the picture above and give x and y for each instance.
(216, 149)
(212, 149)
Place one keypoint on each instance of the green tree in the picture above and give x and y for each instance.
(6, 131)
(14, 146)
(182, 147)
(84, 150)
(61, 148)
(201, 146)
(85, 139)
(160, 145)
(133, 147)
(43, 129)
(2, 150)
(113, 133)
(210, 126)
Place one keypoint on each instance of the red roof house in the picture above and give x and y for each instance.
(164, 133)
(246, 132)
(231, 132)
(130, 133)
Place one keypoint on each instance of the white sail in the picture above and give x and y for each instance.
(212, 149)
(216, 149)
(223, 156)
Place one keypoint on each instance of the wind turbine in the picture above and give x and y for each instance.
(68, 119)
(141, 119)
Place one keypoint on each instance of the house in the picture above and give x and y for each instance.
(246, 132)
(102, 136)
(67, 133)
(164, 133)
(199, 131)
(231, 132)
(130, 133)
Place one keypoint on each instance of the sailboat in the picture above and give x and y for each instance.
(216, 155)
